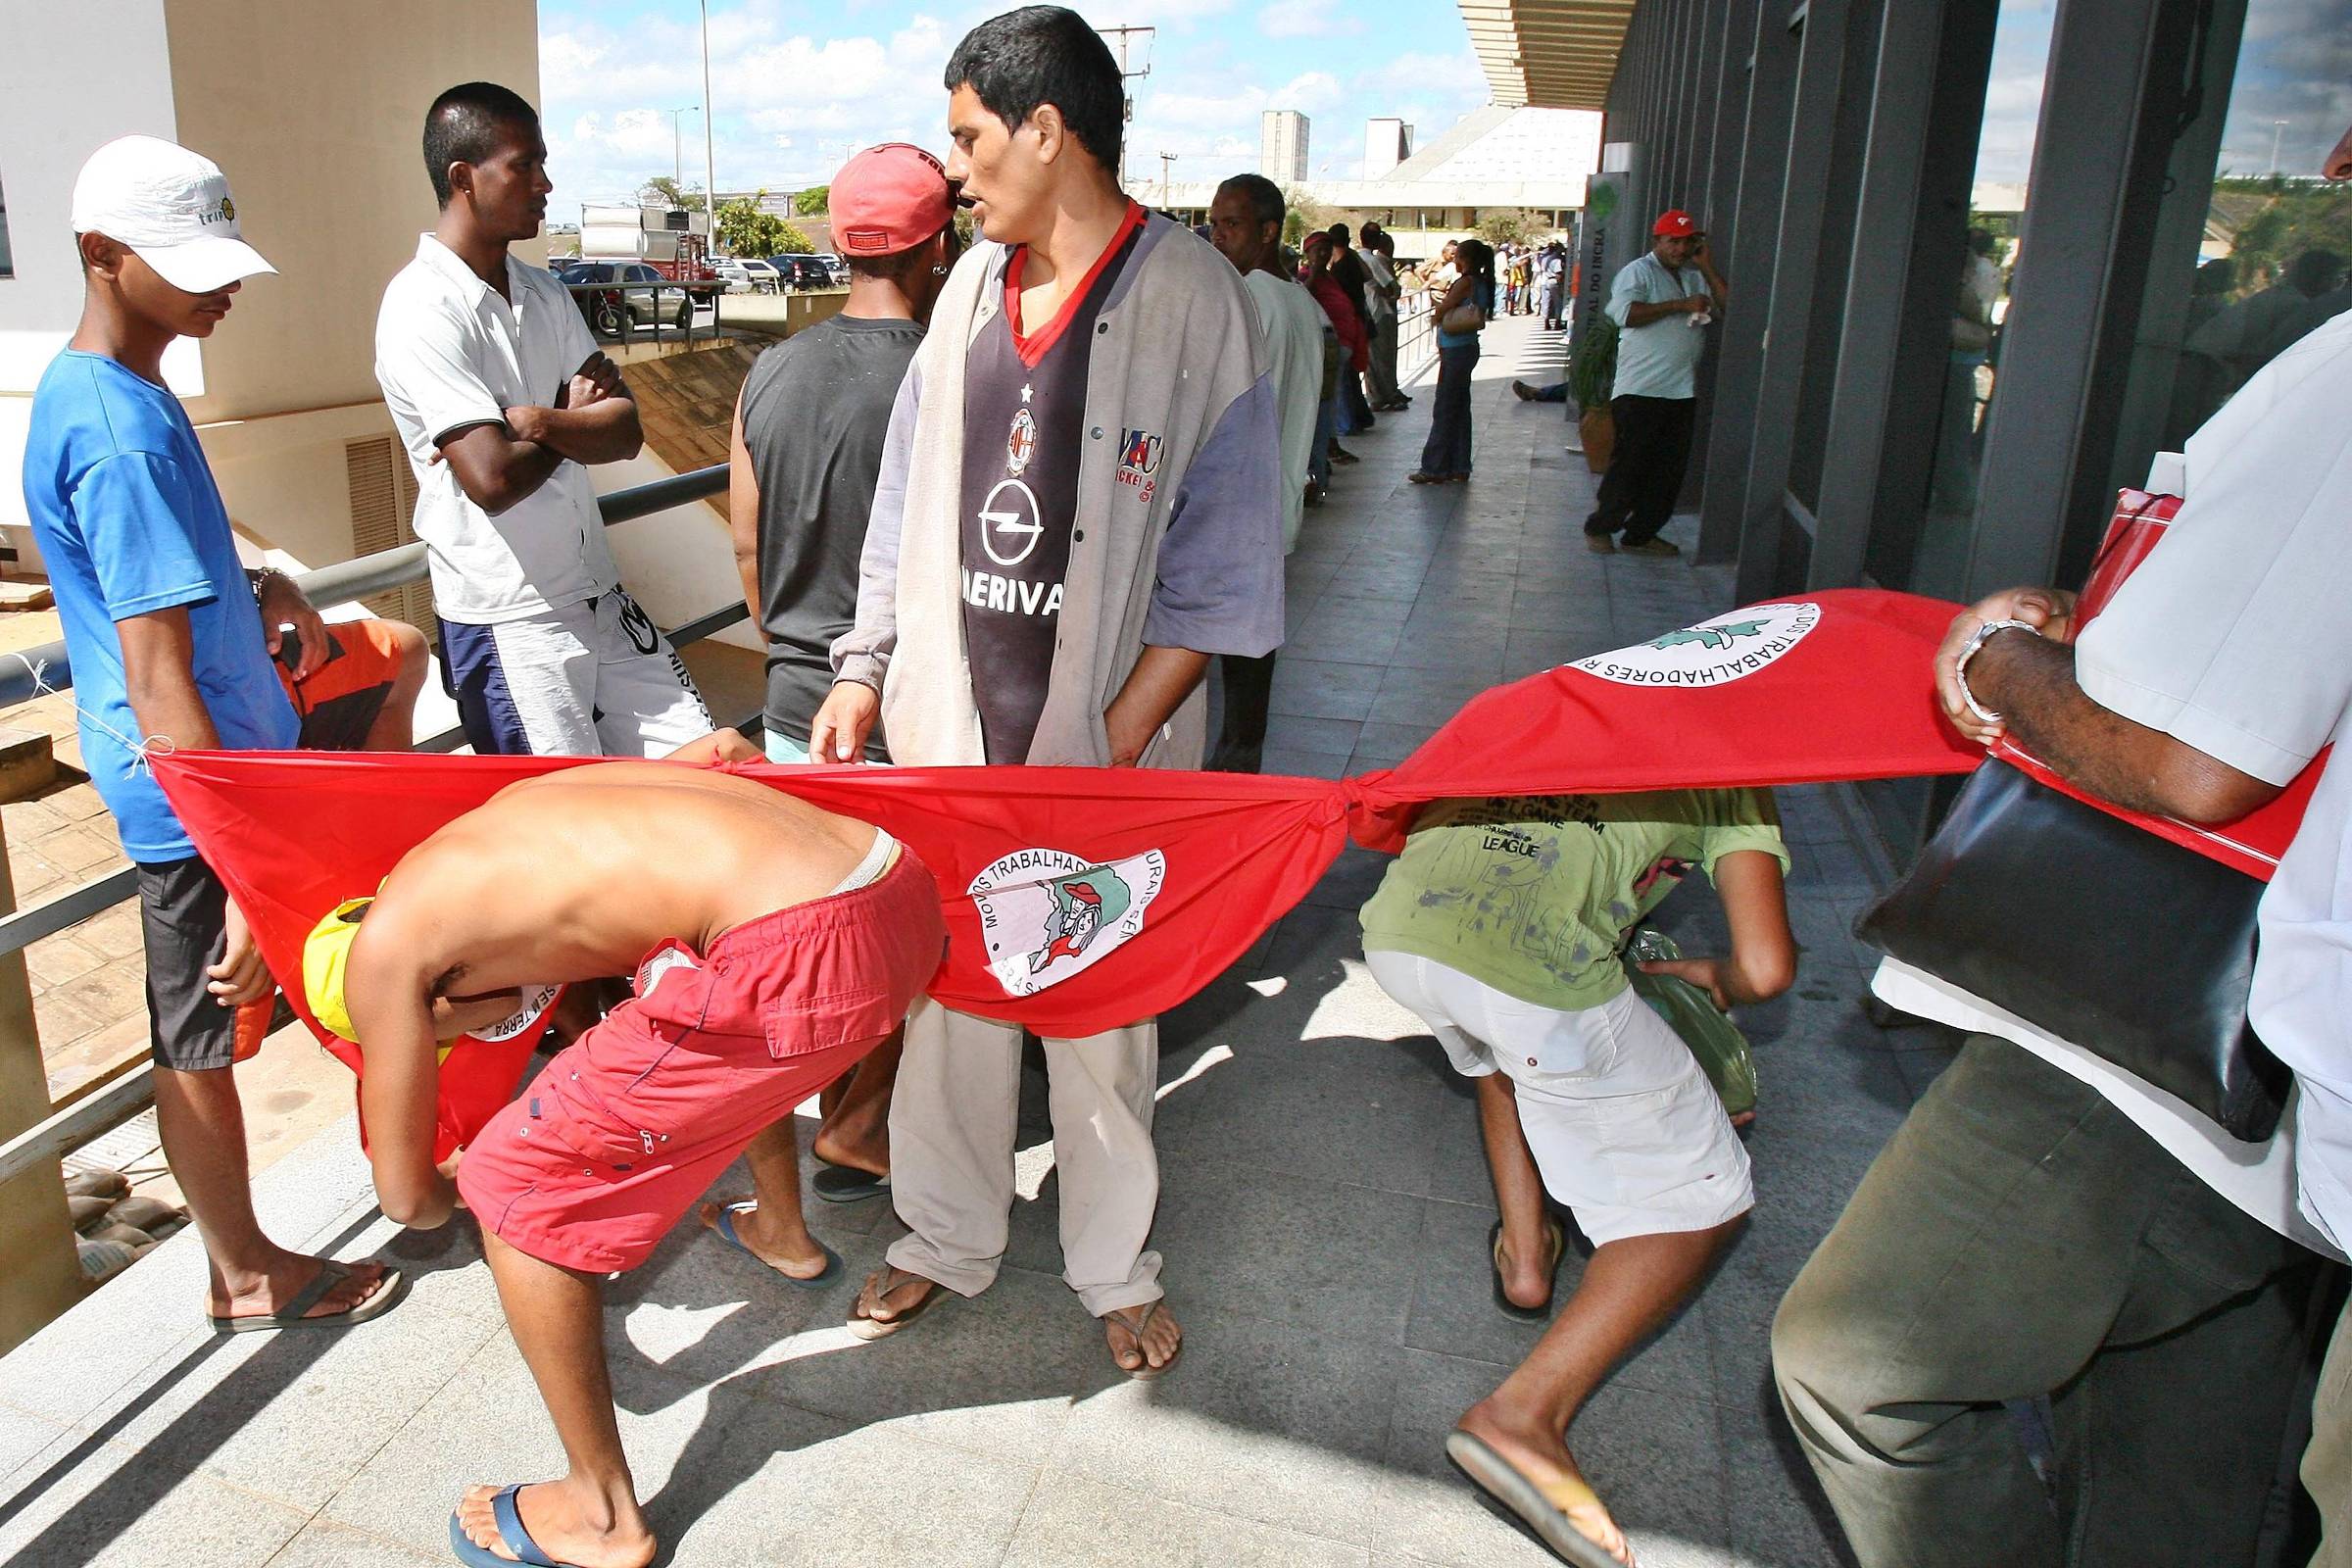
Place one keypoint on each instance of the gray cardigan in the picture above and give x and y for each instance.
(1179, 518)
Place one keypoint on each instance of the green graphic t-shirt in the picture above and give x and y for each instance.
(1535, 894)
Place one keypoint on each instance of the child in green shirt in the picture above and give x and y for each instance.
(1500, 926)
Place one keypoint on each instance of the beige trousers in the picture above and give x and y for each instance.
(2328, 1462)
(953, 1119)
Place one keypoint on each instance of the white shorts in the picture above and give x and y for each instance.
(595, 678)
(1625, 1127)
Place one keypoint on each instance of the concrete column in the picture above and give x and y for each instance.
(40, 1275)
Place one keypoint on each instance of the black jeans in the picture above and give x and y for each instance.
(1645, 475)
(1242, 738)
(1448, 449)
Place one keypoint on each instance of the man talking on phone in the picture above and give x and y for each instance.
(1660, 301)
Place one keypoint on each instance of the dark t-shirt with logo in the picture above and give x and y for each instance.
(1024, 436)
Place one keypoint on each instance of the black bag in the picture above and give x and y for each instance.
(2098, 932)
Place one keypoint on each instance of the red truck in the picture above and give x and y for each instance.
(696, 273)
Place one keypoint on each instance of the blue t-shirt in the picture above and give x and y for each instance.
(129, 521)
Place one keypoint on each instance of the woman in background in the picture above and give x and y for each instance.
(1445, 459)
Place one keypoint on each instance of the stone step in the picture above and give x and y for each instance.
(27, 763)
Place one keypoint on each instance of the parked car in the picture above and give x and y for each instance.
(734, 275)
(631, 302)
(837, 267)
(765, 276)
(690, 272)
(802, 271)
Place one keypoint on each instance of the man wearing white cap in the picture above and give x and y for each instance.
(168, 643)
(503, 399)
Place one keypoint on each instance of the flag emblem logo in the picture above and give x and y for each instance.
(1047, 914)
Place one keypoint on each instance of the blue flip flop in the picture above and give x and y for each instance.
(510, 1535)
(725, 1226)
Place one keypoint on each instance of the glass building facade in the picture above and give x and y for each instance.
(1986, 258)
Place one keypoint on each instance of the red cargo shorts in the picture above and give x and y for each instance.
(632, 1122)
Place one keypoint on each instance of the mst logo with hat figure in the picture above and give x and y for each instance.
(1047, 914)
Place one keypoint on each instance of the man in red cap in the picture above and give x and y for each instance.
(803, 459)
(1659, 300)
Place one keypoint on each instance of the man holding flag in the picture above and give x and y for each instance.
(1079, 506)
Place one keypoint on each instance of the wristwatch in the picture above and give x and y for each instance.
(1982, 636)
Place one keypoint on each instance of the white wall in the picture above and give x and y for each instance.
(51, 120)
(51, 117)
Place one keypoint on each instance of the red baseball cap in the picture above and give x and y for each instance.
(1674, 223)
(889, 199)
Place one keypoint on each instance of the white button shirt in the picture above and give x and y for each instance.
(1294, 326)
(2233, 637)
(451, 353)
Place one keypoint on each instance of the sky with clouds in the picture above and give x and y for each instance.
(2291, 94)
(798, 86)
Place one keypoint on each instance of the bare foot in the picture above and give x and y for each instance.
(1527, 1281)
(1542, 1457)
(291, 1276)
(570, 1521)
(1746, 1119)
(891, 1300)
(852, 1154)
(788, 1248)
(1144, 1339)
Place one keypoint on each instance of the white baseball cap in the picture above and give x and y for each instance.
(172, 207)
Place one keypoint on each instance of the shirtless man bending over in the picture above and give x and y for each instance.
(774, 944)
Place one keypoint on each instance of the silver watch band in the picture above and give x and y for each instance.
(1983, 635)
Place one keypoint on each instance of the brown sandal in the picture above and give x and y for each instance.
(870, 1329)
(1135, 1329)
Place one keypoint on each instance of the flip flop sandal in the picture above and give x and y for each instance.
(870, 1329)
(846, 1184)
(1501, 1480)
(725, 1226)
(1558, 1239)
(1145, 1372)
(510, 1535)
(388, 1293)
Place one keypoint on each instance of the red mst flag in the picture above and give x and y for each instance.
(1079, 900)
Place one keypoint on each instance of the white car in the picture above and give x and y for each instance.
(734, 274)
(759, 277)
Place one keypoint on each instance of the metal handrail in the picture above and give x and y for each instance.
(711, 288)
(364, 578)
(117, 1102)
(1414, 334)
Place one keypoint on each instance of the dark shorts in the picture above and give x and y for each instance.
(183, 915)
(339, 703)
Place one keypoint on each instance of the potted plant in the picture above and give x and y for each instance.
(1591, 374)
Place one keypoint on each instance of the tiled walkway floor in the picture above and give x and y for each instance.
(1324, 1218)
